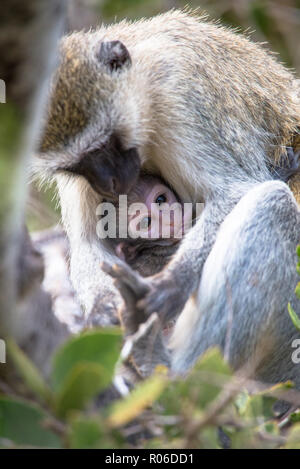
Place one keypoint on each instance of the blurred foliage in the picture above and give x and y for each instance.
(210, 409)
(295, 319)
(276, 22)
(159, 413)
(42, 208)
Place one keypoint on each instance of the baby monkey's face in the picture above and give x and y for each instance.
(154, 217)
(154, 211)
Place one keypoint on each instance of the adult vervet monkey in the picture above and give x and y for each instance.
(208, 111)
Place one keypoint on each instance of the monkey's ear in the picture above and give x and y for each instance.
(114, 55)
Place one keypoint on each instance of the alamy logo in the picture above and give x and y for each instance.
(296, 353)
(2, 351)
(139, 220)
(2, 91)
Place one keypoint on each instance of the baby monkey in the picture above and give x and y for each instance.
(155, 221)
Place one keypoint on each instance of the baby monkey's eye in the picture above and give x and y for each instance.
(145, 223)
(161, 199)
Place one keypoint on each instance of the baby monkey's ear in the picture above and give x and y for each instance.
(114, 55)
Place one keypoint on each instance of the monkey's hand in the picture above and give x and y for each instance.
(147, 345)
(132, 287)
(161, 294)
(166, 295)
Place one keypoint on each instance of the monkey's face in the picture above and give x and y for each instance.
(155, 219)
(110, 170)
(156, 214)
(86, 133)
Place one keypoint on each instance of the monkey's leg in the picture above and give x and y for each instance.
(247, 281)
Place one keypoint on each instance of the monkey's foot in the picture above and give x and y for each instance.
(132, 288)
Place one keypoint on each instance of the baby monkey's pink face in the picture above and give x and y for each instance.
(154, 211)
(155, 216)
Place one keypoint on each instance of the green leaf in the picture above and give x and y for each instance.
(295, 417)
(208, 377)
(23, 424)
(241, 402)
(85, 434)
(242, 439)
(98, 346)
(270, 427)
(293, 440)
(29, 372)
(91, 433)
(260, 407)
(209, 438)
(201, 386)
(294, 317)
(297, 290)
(83, 383)
(278, 389)
(141, 397)
(171, 402)
(298, 250)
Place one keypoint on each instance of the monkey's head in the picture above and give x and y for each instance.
(154, 210)
(90, 127)
(155, 217)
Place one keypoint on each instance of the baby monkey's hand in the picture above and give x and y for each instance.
(143, 296)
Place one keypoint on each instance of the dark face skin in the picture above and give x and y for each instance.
(111, 170)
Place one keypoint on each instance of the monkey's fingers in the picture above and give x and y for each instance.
(124, 274)
(164, 298)
(131, 317)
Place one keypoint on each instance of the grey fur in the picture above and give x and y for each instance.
(247, 281)
(200, 110)
(248, 278)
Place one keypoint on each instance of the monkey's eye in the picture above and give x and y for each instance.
(145, 223)
(161, 199)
